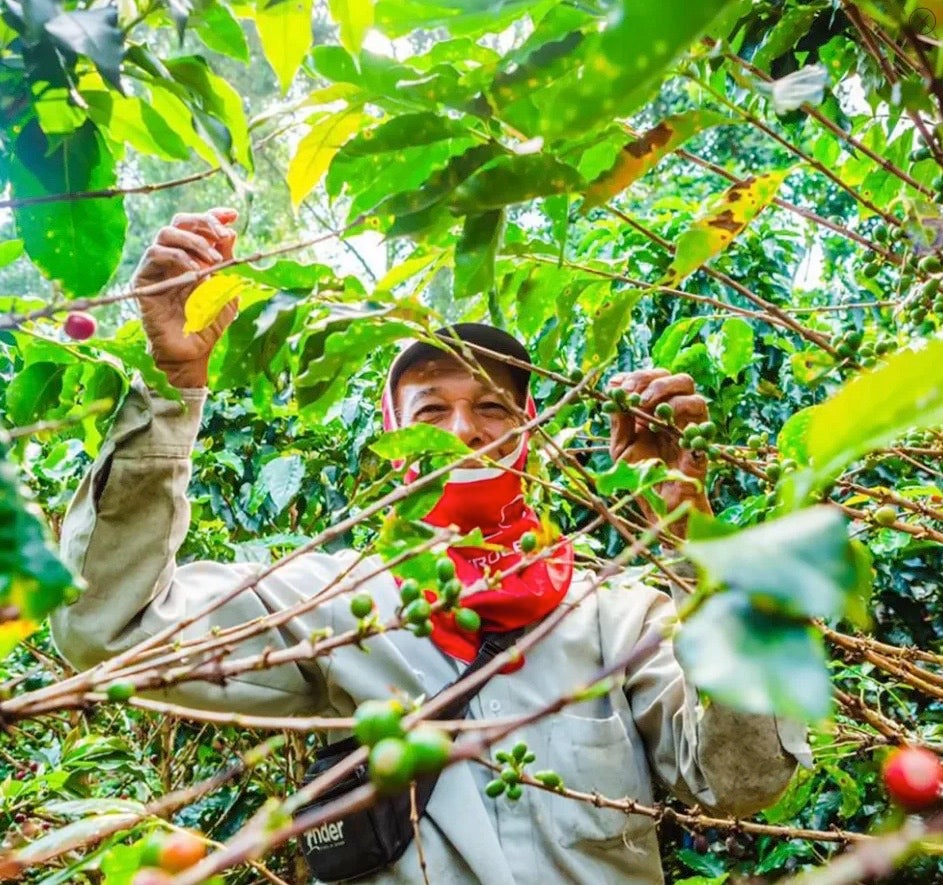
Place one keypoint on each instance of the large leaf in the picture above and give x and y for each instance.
(281, 478)
(77, 242)
(316, 150)
(34, 391)
(612, 73)
(285, 31)
(209, 298)
(644, 153)
(354, 18)
(514, 179)
(875, 407)
(754, 661)
(32, 580)
(731, 348)
(793, 25)
(475, 251)
(95, 34)
(220, 30)
(711, 234)
(396, 17)
(418, 440)
(801, 565)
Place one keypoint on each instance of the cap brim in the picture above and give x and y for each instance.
(480, 334)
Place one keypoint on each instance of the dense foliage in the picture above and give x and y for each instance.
(747, 192)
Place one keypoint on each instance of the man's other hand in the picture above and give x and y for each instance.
(192, 242)
(631, 439)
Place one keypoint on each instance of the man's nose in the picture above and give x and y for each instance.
(464, 425)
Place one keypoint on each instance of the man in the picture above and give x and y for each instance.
(131, 514)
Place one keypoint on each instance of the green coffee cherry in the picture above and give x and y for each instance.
(774, 471)
(664, 411)
(708, 429)
(755, 441)
(120, 691)
(620, 397)
(528, 542)
(445, 569)
(417, 611)
(549, 779)
(451, 590)
(430, 748)
(519, 750)
(699, 444)
(376, 720)
(408, 591)
(391, 766)
(514, 792)
(930, 264)
(510, 776)
(634, 400)
(361, 605)
(495, 788)
(422, 629)
(610, 407)
(886, 515)
(871, 270)
(577, 375)
(468, 619)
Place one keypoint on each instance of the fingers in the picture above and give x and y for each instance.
(665, 387)
(171, 260)
(197, 246)
(211, 226)
(636, 382)
(690, 409)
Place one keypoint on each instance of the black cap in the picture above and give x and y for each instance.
(474, 333)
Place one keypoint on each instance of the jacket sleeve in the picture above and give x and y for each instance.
(728, 761)
(121, 533)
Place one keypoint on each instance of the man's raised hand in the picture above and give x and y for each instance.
(631, 439)
(191, 242)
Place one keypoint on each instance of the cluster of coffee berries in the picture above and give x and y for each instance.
(698, 437)
(417, 609)
(164, 854)
(929, 300)
(396, 758)
(775, 470)
(913, 777)
(508, 782)
(621, 401)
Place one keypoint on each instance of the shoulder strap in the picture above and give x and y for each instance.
(492, 645)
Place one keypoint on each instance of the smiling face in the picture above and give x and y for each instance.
(443, 392)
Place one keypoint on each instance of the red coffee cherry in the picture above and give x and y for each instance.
(79, 325)
(913, 777)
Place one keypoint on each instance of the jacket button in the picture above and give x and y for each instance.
(495, 706)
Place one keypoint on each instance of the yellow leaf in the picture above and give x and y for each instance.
(646, 151)
(316, 150)
(208, 299)
(11, 632)
(710, 235)
(285, 31)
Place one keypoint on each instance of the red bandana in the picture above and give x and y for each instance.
(492, 499)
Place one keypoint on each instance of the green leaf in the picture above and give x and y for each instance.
(398, 17)
(755, 661)
(645, 152)
(875, 407)
(666, 348)
(800, 565)
(316, 150)
(514, 179)
(34, 392)
(32, 579)
(780, 38)
(475, 251)
(610, 320)
(731, 348)
(613, 73)
(220, 30)
(129, 345)
(217, 100)
(88, 234)
(281, 478)
(717, 229)
(285, 31)
(95, 34)
(418, 440)
(354, 18)
(10, 250)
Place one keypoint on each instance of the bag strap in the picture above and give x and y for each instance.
(492, 645)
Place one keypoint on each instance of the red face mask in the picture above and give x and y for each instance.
(492, 499)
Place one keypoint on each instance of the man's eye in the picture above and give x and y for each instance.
(430, 411)
(494, 407)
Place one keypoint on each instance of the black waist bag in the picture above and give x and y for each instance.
(367, 841)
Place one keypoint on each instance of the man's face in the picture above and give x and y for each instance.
(441, 391)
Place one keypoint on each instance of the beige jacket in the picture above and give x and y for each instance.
(123, 530)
